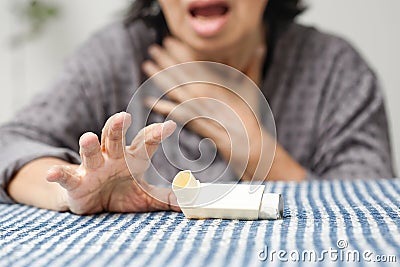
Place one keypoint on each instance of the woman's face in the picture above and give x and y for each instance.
(212, 26)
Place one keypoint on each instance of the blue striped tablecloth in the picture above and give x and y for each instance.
(321, 220)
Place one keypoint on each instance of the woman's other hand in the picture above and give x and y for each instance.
(228, 118)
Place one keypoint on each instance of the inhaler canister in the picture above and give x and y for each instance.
(225, 201)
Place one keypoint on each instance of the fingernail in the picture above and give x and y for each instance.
(84, 140)
(117, 116)
(52, 170)
(124, 115)
(117, 124)
(169, 122)
(127, 116)
(127, 121)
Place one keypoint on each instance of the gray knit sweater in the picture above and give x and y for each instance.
(328, 106)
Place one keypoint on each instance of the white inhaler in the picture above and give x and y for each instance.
(225, 201)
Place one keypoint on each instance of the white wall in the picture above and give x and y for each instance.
(29, 69)
(371, 25)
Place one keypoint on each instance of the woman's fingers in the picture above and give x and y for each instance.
(178, 50)
(165, 81)
(90, 151)
(115, 140)
(162, 57)
(147, 140)
(150, 69)
(113, 135)
(66, 176)
(163, 107)
(171, 53)
(162, 80)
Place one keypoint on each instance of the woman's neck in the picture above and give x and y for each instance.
(239, 55)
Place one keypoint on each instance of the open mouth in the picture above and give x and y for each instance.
(208, 9)
(208, 17)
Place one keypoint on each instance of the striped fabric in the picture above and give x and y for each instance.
(347, 217)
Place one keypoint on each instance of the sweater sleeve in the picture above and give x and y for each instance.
(79, 101)
(352, 136)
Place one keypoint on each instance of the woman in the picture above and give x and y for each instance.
(329, 109)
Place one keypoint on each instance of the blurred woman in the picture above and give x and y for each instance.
(328, 107)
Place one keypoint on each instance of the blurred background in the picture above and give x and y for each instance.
(36, 39)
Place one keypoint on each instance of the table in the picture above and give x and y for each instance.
(321, 219)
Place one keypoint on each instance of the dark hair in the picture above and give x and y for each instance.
(149, 11)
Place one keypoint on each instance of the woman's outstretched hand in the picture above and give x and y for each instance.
(103, 182)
